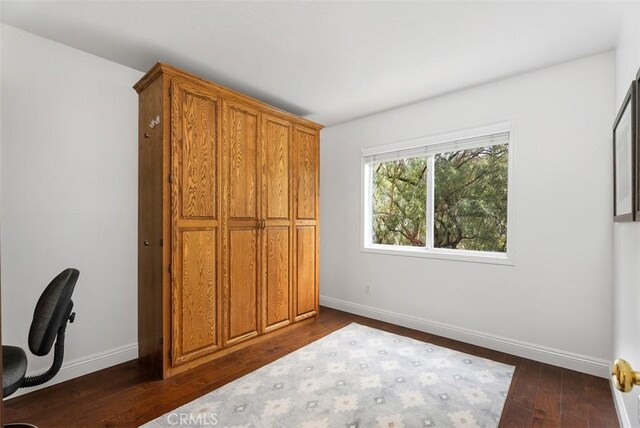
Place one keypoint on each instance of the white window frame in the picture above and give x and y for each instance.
(432, 145)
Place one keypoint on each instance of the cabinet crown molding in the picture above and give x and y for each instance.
(161, 68)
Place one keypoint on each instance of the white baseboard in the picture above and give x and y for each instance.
(86, 365)
(582, 363)
(621, 409)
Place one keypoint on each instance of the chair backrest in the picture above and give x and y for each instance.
(52, 311)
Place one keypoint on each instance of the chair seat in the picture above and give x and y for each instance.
(14, 367)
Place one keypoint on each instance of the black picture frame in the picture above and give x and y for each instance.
(625, 162)
(637, 137)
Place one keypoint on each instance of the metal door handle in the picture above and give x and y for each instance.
(624, 377)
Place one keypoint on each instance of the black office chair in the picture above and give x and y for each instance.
(53, 311)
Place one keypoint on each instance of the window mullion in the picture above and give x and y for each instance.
(430, 201)
(368, 203)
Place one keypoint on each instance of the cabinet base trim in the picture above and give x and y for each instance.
(241, 338)
(258, 339)
(276, 326)
(305, 316)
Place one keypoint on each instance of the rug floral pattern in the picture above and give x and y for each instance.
(358, 377)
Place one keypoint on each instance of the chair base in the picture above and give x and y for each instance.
(20, 425)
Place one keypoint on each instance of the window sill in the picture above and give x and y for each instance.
(441, 254)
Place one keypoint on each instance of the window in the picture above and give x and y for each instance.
(444, 197)
(399, 202)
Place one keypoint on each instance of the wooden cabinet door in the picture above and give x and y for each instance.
(241, 214)
(195, 223)
(306, 232)
(275, 145)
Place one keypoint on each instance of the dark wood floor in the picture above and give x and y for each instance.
(125, 395)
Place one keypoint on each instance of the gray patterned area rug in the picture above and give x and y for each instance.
(357, 377)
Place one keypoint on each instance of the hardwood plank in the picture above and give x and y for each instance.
(600, 407)
(127, 395)
(514, 416)
(574, 407)
(525, 386)
(548, 408)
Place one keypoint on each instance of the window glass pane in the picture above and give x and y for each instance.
(471, 199)
(399, 196)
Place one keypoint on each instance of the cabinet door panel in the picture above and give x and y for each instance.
(195, 238)
(198, 156)
(242, 135)
(276, 167)
(306, 286)
(243, 284)
(195, 300)
(241, 215)
(277, 284)
(306, 170)
(275, 143)
(306, 164)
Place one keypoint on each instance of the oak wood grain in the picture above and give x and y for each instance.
(195, 300)
(198, 155)
(306, 247)
(306, 171)
(306, 271)
(242, 302)
(277, 233)
(194, 267)
(241, 132)
(241, 219)
(276, 144)
(277, 277)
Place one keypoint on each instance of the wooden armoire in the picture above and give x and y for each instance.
(227, 220)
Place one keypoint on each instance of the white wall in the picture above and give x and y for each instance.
(626, 236)
(69, 195)
(555, 304)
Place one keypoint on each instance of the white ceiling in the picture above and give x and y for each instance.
(331, 61)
